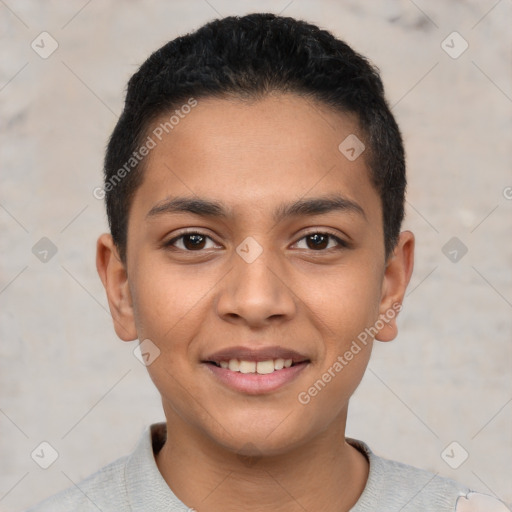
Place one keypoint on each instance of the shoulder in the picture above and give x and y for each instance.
(104, 490)
(395, 486)
(130, 480)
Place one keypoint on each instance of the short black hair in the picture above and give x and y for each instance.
(249, 57)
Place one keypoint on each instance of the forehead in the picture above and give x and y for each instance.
(246, 154)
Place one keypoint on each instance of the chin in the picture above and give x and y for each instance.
(250, 440)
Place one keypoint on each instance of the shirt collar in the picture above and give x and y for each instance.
(369, 499)
(147, 489)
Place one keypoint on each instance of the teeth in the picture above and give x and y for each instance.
(234, 365)
(264, 367)
(247, 366)
(261, 367)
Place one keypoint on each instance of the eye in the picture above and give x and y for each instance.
(191, 241)
(319, 241)
(195, 241)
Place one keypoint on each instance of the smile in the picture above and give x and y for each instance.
(255, 371)
(259, 367)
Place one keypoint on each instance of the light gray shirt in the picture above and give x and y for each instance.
(133, 483)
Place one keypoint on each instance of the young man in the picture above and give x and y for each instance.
(255, 192)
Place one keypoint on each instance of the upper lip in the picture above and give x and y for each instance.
(251, 354)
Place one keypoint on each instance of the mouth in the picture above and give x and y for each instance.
(260, 367)
(256, 371)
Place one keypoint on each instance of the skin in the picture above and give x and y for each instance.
(227, 450)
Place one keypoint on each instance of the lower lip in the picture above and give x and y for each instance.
(254, 383)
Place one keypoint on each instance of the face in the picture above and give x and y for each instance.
(253, 244)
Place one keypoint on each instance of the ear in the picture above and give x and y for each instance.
(396, 278)
(114, 277)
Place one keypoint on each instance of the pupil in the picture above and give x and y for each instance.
(196, 240)
(316, 237)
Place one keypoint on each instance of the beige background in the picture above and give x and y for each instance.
(65, 378)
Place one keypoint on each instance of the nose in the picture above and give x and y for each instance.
(256, 293)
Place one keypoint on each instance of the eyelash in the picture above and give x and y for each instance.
(342, 244)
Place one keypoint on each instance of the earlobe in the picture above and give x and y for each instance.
(114, 277)
(396, 278)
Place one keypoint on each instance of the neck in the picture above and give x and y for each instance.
(326, 473)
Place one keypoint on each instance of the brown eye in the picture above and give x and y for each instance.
(194, 241)
(319, 241)
(189, 242)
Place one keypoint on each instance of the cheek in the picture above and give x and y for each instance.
(345, 304)
(165, 301)
(168, 311)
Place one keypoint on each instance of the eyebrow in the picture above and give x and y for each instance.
(303, 207)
